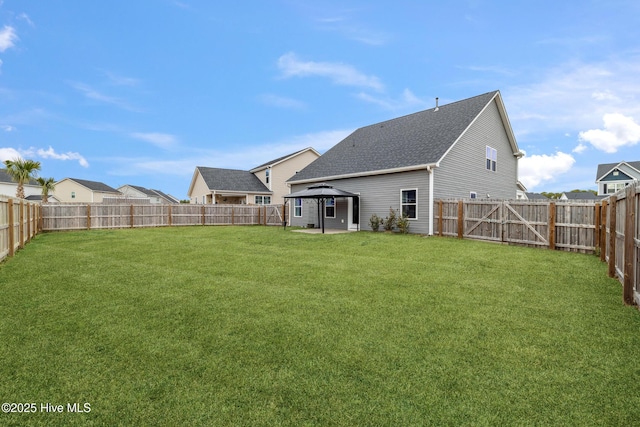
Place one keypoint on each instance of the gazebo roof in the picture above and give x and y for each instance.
(320, 191)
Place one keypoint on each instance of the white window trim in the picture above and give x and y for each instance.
(488, 147)
(473, 195)
(416, 203)
(327, 206)
(295, 206)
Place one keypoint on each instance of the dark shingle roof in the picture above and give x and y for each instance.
(536, 196)
(5, 177)
(231, 180)
(606, 167)
(95, 185)
(417, 139)
(580, 195)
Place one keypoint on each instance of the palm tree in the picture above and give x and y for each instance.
(48, 185)
(21, 171)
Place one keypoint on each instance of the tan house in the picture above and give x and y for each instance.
(83, 191)
(262, 185)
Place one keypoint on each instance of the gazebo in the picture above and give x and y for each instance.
(320, 193)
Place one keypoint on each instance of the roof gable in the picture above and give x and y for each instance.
(281, 159)
(415, 140)
(231, 180)
(605, 168)
(94, 185)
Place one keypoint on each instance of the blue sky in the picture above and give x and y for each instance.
(141, 92)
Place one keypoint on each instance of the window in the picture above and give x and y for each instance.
(262, 200)
(73, 194)
(492, 158)
(409, 203)
(297, 207)
(267, 174)
(330, 208)
(614, 187)
(473, 195)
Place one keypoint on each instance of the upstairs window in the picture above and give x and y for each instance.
(492, 159)
(267, 175)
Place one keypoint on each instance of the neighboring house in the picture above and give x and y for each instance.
(83, 191)
(579, 195)
(535, 196)
(262, 185)
(465, 149)
(613, 177)
(38, 198)
(521, 191)
(8, 187)
(154, 196)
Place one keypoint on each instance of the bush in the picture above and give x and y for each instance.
(403, 224)
(375, 222)
(390, 221)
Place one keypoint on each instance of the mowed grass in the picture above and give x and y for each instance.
(264, 327)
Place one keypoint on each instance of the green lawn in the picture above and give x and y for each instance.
(264, 327)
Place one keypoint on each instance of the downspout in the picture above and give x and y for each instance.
(431, 202)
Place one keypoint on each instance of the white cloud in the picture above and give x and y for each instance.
(8, 38)
(25, 17)
(407, 100)
(91, 93)
(162, 140)
(51, 154)
(341, 74)
(7, 128)
(8, 153)
(575, 96)
(619, 131)
(542, 168)
(580, 148)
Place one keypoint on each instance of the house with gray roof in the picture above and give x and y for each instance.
(613, 177)
(465, 149)
(579, 195)
(263, 185)
(70, 190)
(134, 192)
(9, 187)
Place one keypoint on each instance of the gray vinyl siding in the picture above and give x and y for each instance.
(463, 169)
(377, 194)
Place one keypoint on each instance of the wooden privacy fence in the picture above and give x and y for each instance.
(620, 240)
(568, 226)
(19, 222)
(85, 216)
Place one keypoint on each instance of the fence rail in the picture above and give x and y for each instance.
(19, 223)
(99, 216)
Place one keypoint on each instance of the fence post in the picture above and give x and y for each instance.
(12, 229)
(596, 237)
(612, 235)
(603, 231)
(552, 225)
(202, 214)
(88, 216)
(233, 215)
(131, 215)
(460, 219)
(265, 215)
(169, 219)
(28, 233)
(629, 244)
(21, 226)
(440, 222)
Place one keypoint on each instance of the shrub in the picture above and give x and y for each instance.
(390, 221)
(375, 222)
(403, 224)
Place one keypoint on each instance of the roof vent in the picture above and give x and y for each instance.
(436, 104)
